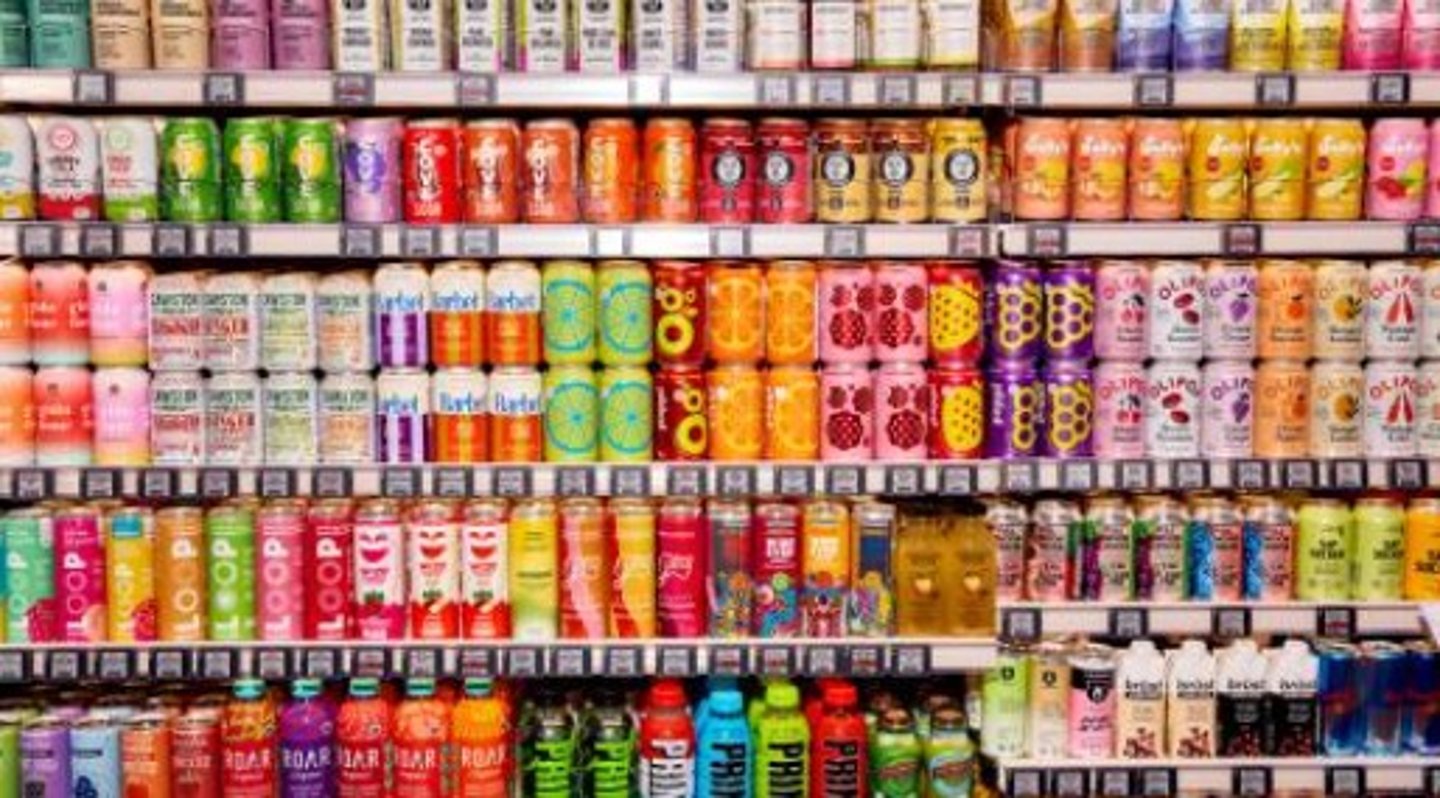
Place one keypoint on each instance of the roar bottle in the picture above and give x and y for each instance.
(362, 741)
(247, 737)
(479, 729)
(422, 743)
(307, 731)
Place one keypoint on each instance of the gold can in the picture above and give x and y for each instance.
(842, 173)
(957, 174)
(1215, 168)
(1337, 397)
(1335, 170)
(902, 170)
(1339, 318)
(1422, 550)
(1278, 158)
(1287, 301)
(121, 43)
(1282, 409)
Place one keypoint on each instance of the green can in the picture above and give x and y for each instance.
(191, 176)
(29, 574)
(895, 756)
(10, 757)
(230, 572)
(572, 415)
(627, 411)
(1379, 550)
(1005, 702)
(311, 152)
(627, 327)
(14, 41)
(567, 289)
(1324, 551)
(252, 169)
(59, 34)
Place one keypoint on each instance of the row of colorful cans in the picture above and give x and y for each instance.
(437, 570)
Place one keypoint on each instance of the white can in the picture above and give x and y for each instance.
(1338, 322)
(834, 34)
(177, 321)
(1176, 310)
(599, 36)
(1430, 310)
(234, 432)
(402, 416)
(347, 419)
(130, 169)
(177, 419)
(719, 44)
(1427, 409)
(420, 35)
(775, 33)
(1230, 307)
(1337, 404)
(543, 35)
(287, 322)
(67, 151)
(895, 30)
(1172, 409)
(1228, 401)
(481, 31)
(1389, 409)
(17, 169)
(1392, 311)
(1120, 396)
(360, 31)
(660, 35)
(291, 425)
(343, 317)
(952, 34)
(232, 321)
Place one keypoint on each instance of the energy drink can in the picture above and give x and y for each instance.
(870, 610)
(730, 567)
(1422, 699)
(1383, 682)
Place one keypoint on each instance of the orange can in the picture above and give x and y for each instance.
(145, 756)
(17, 416)
(515, 424)
(491, 171)
(611, 171)
(669, 169)
(792, 413)
(1282, 409)
(1287, 301)
(512, 313)
(736, 329)
(1101, 153)
(180, 574)
(790, 311)
(1157, 170)
(1039, 150)
(736, 405)
(550, 176)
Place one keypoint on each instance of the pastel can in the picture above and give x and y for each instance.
(122, 416)
(64, 416)
(119, 310)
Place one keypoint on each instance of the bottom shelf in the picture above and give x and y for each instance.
(1343, 776)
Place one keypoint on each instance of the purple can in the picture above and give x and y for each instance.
(371, 159)
(1014, 311)
(45, 758)
(402, 407)
(240, 44)
(1227, 402)
(1231, 290)
(1145, 35)
(1202, 36)
(402, 292)
(1069, 311)
(1015, 410)
(1122, 289)
(1069, 409)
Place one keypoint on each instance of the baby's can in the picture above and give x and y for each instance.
(1337, 406)
(346, 418)
(1156, 172)
(1389, 409)
(177, 419)
(1282, 409)
(1341, 288)
(1098, 185)
(1278, 155)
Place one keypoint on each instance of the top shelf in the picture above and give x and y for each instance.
(837, 91)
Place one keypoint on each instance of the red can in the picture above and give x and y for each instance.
(432, 171)
(680, 569)
(783, 188)
(679, 312)
(328, 551)
(195, 756)
(491, 171)
(550, 174)
(775, 553)
(681, 429)
(80, 575)
(954, 308)
(727, 172)
(957, 413)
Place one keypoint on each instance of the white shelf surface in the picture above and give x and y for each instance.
(1197, 618)
(1381, 775)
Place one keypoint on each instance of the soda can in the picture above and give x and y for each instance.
(679, 570)
(1156, 171)
(67, 153)
(681, 432)
(288, 322)
(64, 412)
(585, 570)
(421, 36)
(490, 171)
(611, 177)
(957, 420)
(15, 342)
(402, 416)
(329, 560)
(776, 547)
(680, 313)
(550, 172)
(1276, 172)
(1427, 409)
(379, 577)
(792, 415)
(1389, 429)
(1176, 320)
(1430, 310)
(59, 313)
(1015, 418)
(1069, 290)
(1009, 522)
(1049, 571)
(728, 583)
(345, 411)
(516, 429)
(1038, 152)
(343, 316)
(1014, 311)
(180, 574)
(431, 176)
(1268, 561)
(668, 171)
(234, 420)
(660, 36)
(568, 312)
(302, 40)
(1229, 312)
(572, 414)
(240, 44)
(775, 35)
(360, 30)
(180, 36)
(45, 756)
(1172, 410)
(122, 416)
(957, 176)
(1160, 556)
(900, 321)
(402, 296)
(280, 578)
(1337, 402)
(290, 406)
(17, 416)
(1383, 692)
(512, 313)
(533, 572)
(481, 30)
(371, 168)
(901, 413)
(145, 756)
(1228, 409)
(484, 591)
(456, 310)
(630, 549)
(230, 320)
(253, 167)
(626, 415)
(727, 179)
(624, 290)
(843, 187)
(176, 321)
(195, 755)
(117, 302)
(1215, 550)
(1107, 560)
(847, 416)
(735, 404)
(783, 187)
(1097, 183)
(1379, 549)
(191, 187)
(17, 169)
(955, 305)
(847, 320)
(1218, 153)
(1335, 174)
(95, 756)
(1394, 163)
(1341, 291)
(1069, 404)
(1287, 303)
(901, 152)
(1392, 311)
(230, 562)
(1282, 409)
(458, 423)
(1122, 290)
(825, 563)
(1324, 545)
(432, 561)
(1423, 699)
(543, 36)
(310, 158)
(129, 168)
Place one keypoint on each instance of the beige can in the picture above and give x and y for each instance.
(1337, 399)
(901, 154)
(842, 172)
(180, 34)
(121, 43)
(1282, 409)
(1339, 317)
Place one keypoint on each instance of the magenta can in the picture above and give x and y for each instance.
(1177, 290)
(1422, 35)
(1069, 409)
(371, 160)
(1069, 288)
(1432, 190)
(1395, 169)
(122, 416)
(1372, 34)
(280, 586)
(301, 30)
(902, 404)
(1120, 389)
(1230, 307)
(80, 575)
(847, 314)
(1227, 401)
(1122, 289)
(901, 329)
(847, 413)
(240, 44)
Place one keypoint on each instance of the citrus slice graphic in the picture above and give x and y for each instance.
(625, 319)
(569, 321)
(625, 419)
(571, 418)
(791, 334)
(735, 316)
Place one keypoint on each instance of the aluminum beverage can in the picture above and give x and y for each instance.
(626, 414)
(1392, 311)
(1172, 410)
(512, 313)
(847, 323)
(1276, 172)
(60, 313)
(1227, 408)
(45, 756)
(456, 310)
(191, 165)
(1157, 170)
(681, 323)
(402, 296)
(230, 573)
(300, 28)
(122, 416)
(1069, 290)
(1394, 169)
(1336, 171)
(1229, 312)
(901, 327)
(288, 322)
(1215, 550)
(1422, 549)
(1430, 309)
(775, 35)
(842, 190)
(847, 417)
(1160, 561)
(783, 187)
(481, 28)
(129, 167)
(30, 576)
(1176, 320)
(371, 168)
(660, 36)
(624, 290)
(568, 313)
(180, 35)
(64, 412)
(776, 547)
(1015, 419)
(516, 429)
(15, 348)
(1389, 429)
(681, 429)
(1268, 567)
(310, 160)
(17, 168)
(432, 157)
(727, 171)
(1422, 695)
(1107, 560)
(1097, 184)
(1068, 403)
(957, 175)
(343, 322)
(1038, 151)
(231, 321)
(955, 306)
(402, 416)
(1049, 568)
(361, 32)
(542, 35)
(834, 43)
(1341, 293)
(346, 419)
(1217, 156)
(825, 562)
(718, 36)
(95, 755)
(728, 584)
(328, 557)
(669, 156)
(680, 571)
(1282, 409)
(195, 756)
(290, 418)
(459, 404)
(1120, 401)
(1009, 522)
(630, 549)
(240, 44)
(957, 413)
(533, 573)
(432, 561)
(1379, 549)
(901, 152)
(792, 413)
(17, 416)
(180, 574)
(1324, 545)
(145, 756)
(280, 576)
(67, 151)
(1383, 693)
(234, 420)
(572, 414)
(484, 589)
(490, 171)
(1122, 289)
(550, 172)
(1014, 311)
(420, 39)
(611, 171)
(254, 179)
(1427, 408)
(379, 578)
(118, 305)
(1337, 404)
(902, 395)
(585, 571)
(176, 321)
(1091, 703)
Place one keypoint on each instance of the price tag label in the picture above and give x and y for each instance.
(478, 241)
(575, 481)
(1136, 475)
(822, 660)
(686, 481)
(961, 90)
(1156, 783)
(1408, 474)
(831, 91)
(1335, 622)
(170, 664)
(1230, 623)
(353, 89)
(1432, 781)
(1077, 475)
(908, 480)
(218, 483)
(1390, 88)
(331, 483)
(93, 87)
(1345, 781)
(1349, 474)
(513, 482)
(957, 480)
(1154, 91)
(1019, 477)
(796, 481)
(1190, 475)
(676, 662)
(1251, 475)
(1020, 625)
(777, 661)
(624, 662)
(1114, 783)
(453, 483)
(171, 241)
(844, 241)
(272, 664)
(630, 481)
(157, 483)
(400, 483)
(478, 663)
(735, 480)
(1425, 238)
(369, 663)
(1022, 91)
(1070, 784)
(1275, 90)
(321, 663)
(100, 483)
(897, 91)
(223, 89)
(1026, 784)
(360, 241)
(1129, 622)
(32, 484)
(572, 662)
(475, 90)
(420, 242)
(217, 663)
(277, 483)
(1046, 240)
(729, 661)
(968, 241)
(910, 660)
(730, 242)
(1241, 240)
(40, 240)
(13, 669)
(99, 240)
(844, 480)
(114, 666)
(229, 241)
(776, 90)
(1300, 474)
(523, 662)
(865, 660)
(422, 663)
(63, 666)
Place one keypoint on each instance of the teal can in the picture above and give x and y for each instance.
(14, 39)
(311, 171)
(59, 34)
(252, 168)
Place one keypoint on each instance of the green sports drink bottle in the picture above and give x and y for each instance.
(782, 744)
(895, 756)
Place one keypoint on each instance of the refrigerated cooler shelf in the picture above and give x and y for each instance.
(1333, 776)
(1028, 621)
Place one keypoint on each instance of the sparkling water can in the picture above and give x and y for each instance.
(80, 575)
(63, 409)
(402, 416)
(1342, 289)
(1015, 415)
(901, 323)
(292, 429)
(572, 414)
(402, 294)
(431, 177)
(118, 313)
(280, 579)
(1122, 290)
(1389, 409)
(67, 156)
(955, 314)
(288, 322)
(59, 312)
(1395, 173)
(490, 171)
(95, 756)
(343, 315)
(1176, 317)
(122, 416)
(370, 160)
(230, 317)
(1014, 311)
(847, 413)
(783, 190)
(902, 402)
(1337, 406)
(191, 168)
(1282, 409)
(1069, 289)
(847, 314)
(1392, 311)
(1172, 410)
(346, 419)
(1228, 409)
(459, 424)
(1287, 305)
(681, 429)
(1268, 550)
(516, 429)
(626, 414)
(957, 413)
(457, 306)
(379, 576)
(1069, 409)
(253, 184)
(234, 420)
(626, 327)
(1230, 308)
(727, 179)
(130, 169)
(512, 313)
(177, 321)
(45, 757)
(17, 168)
(17, 416)
(421, 36)
(1121, 388)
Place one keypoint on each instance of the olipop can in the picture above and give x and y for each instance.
(1121, 388)
(1392, 311)
(1122, 291)
(1230, 308)
(1172, 410)
(1175, 310)
(1389, 409)
(1228, 402)
(1341, 291)
(1337, 405)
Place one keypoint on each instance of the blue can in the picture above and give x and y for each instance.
(1342, 718)
(1202, 36)
(95, 758)
(1383, 675)
(1200, 559)
(1422, 716)
(1144, 40)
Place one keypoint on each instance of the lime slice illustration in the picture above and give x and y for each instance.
(625, 319)
(625, 419)
(569, 316)
(571, 421)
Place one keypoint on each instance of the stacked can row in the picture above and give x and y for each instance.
(1139, 703)
(493, 171)
(1217, 548)
(535, 570)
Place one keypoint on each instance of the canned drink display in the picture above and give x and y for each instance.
(1287, 303)
(680, 313)
(958, 179)
(1069, 290)
(1014, 312)
(1341, 294)
(1337, 401)
(379, 571)
(17, 416)
(668, 180)
(847, 418)
(253, 158)
(1122, 290)
(513, 313)
(1121, 402)
(1228, 407)
(484, 593)
(1176, 310)
(291, 419)
(234, 420)
(1015, 418)
(59, 314)
(735, 400)
(310, 152)
(280, 583)
(681, 430)
(572, 414)
(569, 312)
(17, 176)
(1098, 185)
(191, 168)
(1230, 309)
(1172, 410)
(955, 303)
(288, 322)
(902, 397)
(727, 172)
(792, 414)
(432, 167)
(432, 561)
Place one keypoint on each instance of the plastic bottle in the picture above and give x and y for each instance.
(547, 751)
(782, 744)
(480, 727)
(247, 735)
(422, 743)
(362, 741)
(839, 747)
(608, 752)
(307, 737)
(895, 756)
(667, 743)
(724, 755)
(950, 766)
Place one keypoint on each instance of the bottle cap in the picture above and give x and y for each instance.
(249, 689)
(841, 695)
(479, 688)
(420, 688)
(668, 694)
(782, 695)
(305, 688)
(364, 687)
(726, 702)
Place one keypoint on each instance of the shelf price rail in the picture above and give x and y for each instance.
(1352, 777)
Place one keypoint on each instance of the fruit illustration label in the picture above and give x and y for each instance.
(29, 580)
(902, 399)
(955, 305)
(1121, 315)
(1176, 299)
(1069, 313)
(1282, 409)
(1430, 312)
(1277, 169)
(1337, 393)
(1217, 160)
(485, 606)
(957, 421)
(1392, 317)
(1396, 169)
(1287, 294)
(1100, 160)
(433, 559)
(777, 574)
(379, 581)
(1172, 410)
(1340, 291)
(1041, 183)
(1389, 410)
(1230, 309)
(1228, 402)
(1069, 402)
(900, 313)
(1336, 170)
(131, 579)
(1014, 312)
(1427, 412)
(847, 311)
(1120, 401)
(568, 311)
(735, 301)
(847, 415)
(1157, 169)
(679, 311)
(625, 314)
(1016, 412)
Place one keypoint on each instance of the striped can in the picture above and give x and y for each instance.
(516, 430)
(457, 308)
(347, 419)
(459, 403)
(402, 410)
(402, 294)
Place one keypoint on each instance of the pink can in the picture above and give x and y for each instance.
(60, 314)
(1432, 188)
(1230, 308)
(119, 313)
(902, 406)
(847, 313)
(1227, 400)
(302, 34)
(432, 559)
(847, 413)
(240, 44)
(1395, 169)
(1372, 34)
(1422, 35)
(901, 331)
(122, 416)
(64, 416)
(1120, 410)
(280, 586)
(80, 575)
(1122, 288)
(379, 572)
(1176, 303)
(1172, 410)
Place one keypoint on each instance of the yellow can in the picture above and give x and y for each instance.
(957, 176)
(1278, 150)
(842, 171)
(1215, 168)
(1335, 173)
(901, 168)
(1315, 35)
(130, 570)
(1422, 550)
(1257, 36)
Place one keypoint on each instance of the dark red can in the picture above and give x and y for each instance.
(957, 413)
(432, 171)
(195, 755)
(328, 552)
(679, 311)
(727, 172)
(681, 429)
(955, 300)
(783, 186)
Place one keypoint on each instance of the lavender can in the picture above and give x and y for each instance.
(1145, 36)
(1121, 319)
(302, 34)
(1202, 36)
(1120, 391)
(402, 405)
(1069, 409)
(1069, 288)
(371, 159)
(1015, 412)
(401, 299)
(1227, 409)
(1014, 311)
(45, 757)
(240, 44)
(1172, 410)
(1230, 305)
